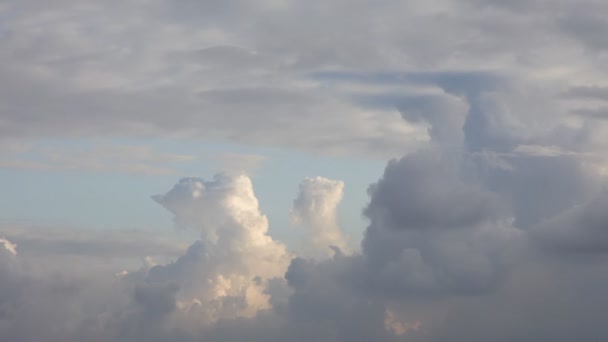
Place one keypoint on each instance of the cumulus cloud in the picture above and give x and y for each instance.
(315, 208)
(228, 269)
(431, 231)
(423, 191)
(439, 245)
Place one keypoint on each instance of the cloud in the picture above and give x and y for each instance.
(315, 208)
(42, 242)
(418, 272)
(239, 162)
(433, 232)
(207, 75)
(8, 246)
(580, 229)
(495, 221)
(583, 26)
(129, 159)
(588, 92)
(228, 269)
(600, 113)
(532, 180)
(156, 300)
(201, 112)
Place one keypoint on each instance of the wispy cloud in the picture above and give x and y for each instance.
(128, 159)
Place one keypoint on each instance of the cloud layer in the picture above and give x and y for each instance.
(491, 224)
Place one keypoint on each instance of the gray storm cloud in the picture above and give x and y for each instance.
(580, 229)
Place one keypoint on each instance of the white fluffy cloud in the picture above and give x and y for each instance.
(315, 208)
(228, 269)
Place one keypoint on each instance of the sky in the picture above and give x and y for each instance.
(282, 170)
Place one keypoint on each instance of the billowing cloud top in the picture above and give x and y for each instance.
(228, 269)
(316, 208)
